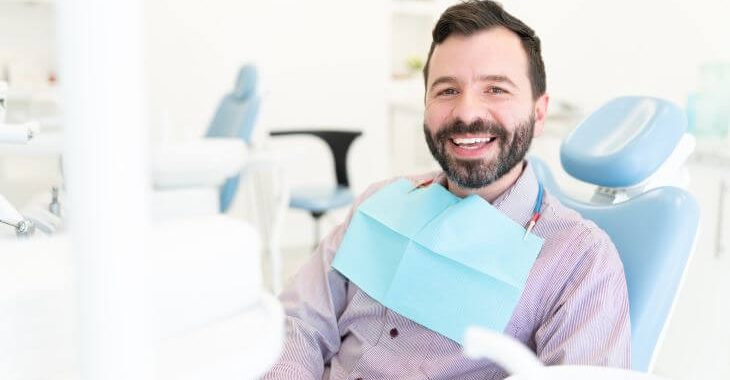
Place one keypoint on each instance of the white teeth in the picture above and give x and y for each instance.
(475, 140)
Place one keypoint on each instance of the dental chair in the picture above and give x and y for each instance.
(235, 118)
(200, 177)
(633, 149)
(204, 175)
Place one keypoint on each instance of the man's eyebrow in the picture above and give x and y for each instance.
(497, 78)
(441, 80)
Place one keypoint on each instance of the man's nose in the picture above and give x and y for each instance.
(469, 108)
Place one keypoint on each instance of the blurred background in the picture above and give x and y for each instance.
(356, 66)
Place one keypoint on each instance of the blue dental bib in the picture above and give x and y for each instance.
(437, 259)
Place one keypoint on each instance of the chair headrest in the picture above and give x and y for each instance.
(246, 82)
(623, 142)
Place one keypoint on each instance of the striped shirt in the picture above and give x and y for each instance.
(573, 310)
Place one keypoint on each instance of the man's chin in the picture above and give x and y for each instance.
(472, 174)
(469, 164)
(466, 182)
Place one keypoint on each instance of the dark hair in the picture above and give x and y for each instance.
(474, 16)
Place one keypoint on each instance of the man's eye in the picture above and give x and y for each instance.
(447, 92)
(495, 90)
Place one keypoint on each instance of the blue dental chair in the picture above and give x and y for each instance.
(624, 148)
(236, 117)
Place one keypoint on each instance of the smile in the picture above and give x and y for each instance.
(471, 142)
(472, 147)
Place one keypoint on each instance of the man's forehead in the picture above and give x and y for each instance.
(496, 51)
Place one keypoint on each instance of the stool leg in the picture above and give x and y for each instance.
(276, 265)
(317, 233)
(281, 203)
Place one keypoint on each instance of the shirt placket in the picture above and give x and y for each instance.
(401, 348)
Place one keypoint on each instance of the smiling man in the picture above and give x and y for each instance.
(485, 100)
(481, 109)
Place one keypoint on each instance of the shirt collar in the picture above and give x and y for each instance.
(518, 201)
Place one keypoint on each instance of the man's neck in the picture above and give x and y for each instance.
(492, 191)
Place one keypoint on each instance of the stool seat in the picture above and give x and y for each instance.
(320, 200)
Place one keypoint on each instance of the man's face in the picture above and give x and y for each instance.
(480, 114)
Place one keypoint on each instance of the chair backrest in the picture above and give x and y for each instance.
(654, 232)
(236, 117)
(339, 142)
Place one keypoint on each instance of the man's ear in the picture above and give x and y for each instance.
(540, 112)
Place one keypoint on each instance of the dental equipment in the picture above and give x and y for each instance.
(522, 364)
(9, 215)
(14, 134)
(18, 133)
(55, 206)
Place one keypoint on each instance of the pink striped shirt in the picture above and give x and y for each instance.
(574, 308)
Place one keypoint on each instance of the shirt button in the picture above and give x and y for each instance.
(393, 332)
(359, 378)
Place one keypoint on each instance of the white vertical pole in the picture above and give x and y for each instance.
(101, 61)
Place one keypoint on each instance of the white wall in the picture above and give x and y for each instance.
(323, 63)
(194, 50)
(27, 42)
(595, 50)
(327, 65)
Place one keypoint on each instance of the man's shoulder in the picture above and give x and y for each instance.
(579, 238)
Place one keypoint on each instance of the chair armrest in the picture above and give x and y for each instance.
(205, 162)
(339, 142)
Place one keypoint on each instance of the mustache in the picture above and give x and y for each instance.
(477, 126)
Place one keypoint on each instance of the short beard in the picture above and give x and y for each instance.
(475, 174)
